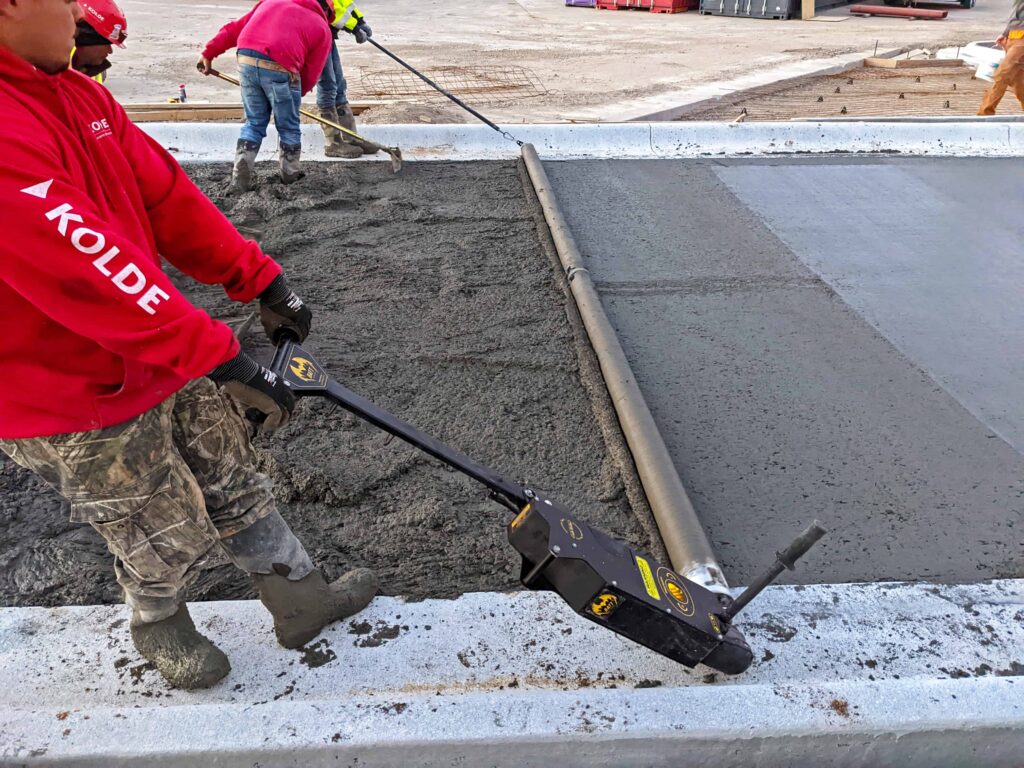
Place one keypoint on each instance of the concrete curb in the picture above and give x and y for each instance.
(881, 674)
(209, 142)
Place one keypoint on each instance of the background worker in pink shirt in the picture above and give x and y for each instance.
(282, 47)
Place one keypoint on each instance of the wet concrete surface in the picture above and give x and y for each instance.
(779, 400)
(434, 295)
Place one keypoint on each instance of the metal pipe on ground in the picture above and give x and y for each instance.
(885, 10)
(685, 541)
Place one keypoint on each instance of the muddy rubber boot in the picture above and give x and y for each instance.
(334, 144)
(347, 120)
(184, 657)
(291, 171)
(301, 609)
(244, 171)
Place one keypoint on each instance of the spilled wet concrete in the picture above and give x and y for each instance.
(435, 296)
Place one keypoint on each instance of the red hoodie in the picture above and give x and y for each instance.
(94, 332)
(294, 33)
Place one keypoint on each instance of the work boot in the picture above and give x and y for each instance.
(348, 121)
(290, 169)
(296, 594)
(184, 657)
(301, 609)
(244, 172)
(334, 144)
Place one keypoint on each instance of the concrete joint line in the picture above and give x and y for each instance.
(684, 537)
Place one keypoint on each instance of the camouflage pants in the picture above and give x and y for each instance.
(162, 489)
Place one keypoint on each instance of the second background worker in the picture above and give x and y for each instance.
(332, 89)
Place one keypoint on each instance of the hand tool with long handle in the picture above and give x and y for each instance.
(445, 93)
(394, 152)
(604, 580)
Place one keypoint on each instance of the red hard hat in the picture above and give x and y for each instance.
(106, 18)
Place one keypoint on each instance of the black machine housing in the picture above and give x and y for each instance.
(602, 579)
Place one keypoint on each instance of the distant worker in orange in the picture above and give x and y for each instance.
(1011, 69)
(103, 26)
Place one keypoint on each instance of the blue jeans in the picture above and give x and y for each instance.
(265, 91)
(331, 89)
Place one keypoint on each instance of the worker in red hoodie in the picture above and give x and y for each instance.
(115, 389)
(282, 47)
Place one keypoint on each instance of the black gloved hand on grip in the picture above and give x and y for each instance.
(256, 388)
(281, 309)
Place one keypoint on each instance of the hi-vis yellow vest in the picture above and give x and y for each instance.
(346, 15)
(100, 78)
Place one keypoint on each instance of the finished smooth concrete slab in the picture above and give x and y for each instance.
(929, 252)
(921, 676)
(778, 399)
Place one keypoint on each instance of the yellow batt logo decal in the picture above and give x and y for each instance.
(303, 369)
(648, 577)
(574, 531)
(604, 604)
(676, 591)
(521, 516)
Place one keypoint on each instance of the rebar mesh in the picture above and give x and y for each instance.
(479, 85)
(864, 92)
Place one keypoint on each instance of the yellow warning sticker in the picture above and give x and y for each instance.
(649, 583)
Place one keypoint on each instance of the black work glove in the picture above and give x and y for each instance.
(256, 388)
(362, 31)
(281, 310)
(335, 32)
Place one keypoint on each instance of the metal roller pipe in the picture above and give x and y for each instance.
(685, 541)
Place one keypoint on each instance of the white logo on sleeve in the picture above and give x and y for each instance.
(128, 278)
(39, 190)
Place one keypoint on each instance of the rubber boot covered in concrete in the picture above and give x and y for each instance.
(243, 174)
(334, 142)
(297, 595)
(291, 171)
(348, 120)
(181, 654)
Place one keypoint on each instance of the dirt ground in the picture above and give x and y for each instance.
(436, 297)
(595, 65)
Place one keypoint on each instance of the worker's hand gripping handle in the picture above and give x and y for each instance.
(286, 340)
